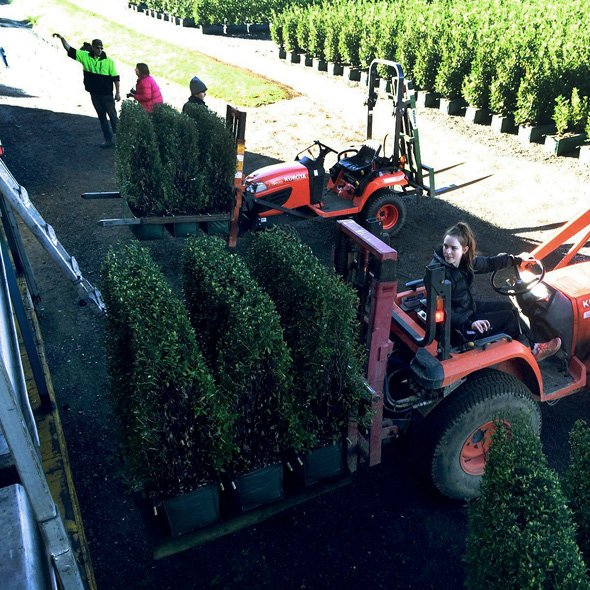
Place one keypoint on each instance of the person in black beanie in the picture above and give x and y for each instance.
(198, 93)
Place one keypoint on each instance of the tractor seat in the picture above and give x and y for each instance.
(360, 163)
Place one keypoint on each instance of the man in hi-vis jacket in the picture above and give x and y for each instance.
(100, 74)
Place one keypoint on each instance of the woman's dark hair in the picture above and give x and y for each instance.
(465, 237)
(143, 69)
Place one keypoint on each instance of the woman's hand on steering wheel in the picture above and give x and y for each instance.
(528, 272)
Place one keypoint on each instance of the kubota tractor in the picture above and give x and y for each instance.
(461, 388)
(365, 183)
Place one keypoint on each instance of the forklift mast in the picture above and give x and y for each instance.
(406, 149)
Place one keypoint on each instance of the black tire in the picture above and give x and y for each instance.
(455, 428)
(389, 207)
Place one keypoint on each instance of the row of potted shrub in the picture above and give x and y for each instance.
(512, 57)
(214, 12)
(171, 163)
(258, 364)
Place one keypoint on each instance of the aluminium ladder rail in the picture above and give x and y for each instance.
(25, 451)
(17, 196)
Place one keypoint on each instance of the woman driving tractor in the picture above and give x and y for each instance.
(470, 318)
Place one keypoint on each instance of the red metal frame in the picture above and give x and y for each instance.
(379, 345)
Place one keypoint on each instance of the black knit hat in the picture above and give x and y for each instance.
(197, 86)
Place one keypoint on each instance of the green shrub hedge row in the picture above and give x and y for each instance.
(209, 12)
(171, 163)
(238, 329)
(577, 483)
(512, 57)
(318, 315)
(174, 432)
(241, 381)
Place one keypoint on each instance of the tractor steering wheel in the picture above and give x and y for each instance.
(521, 282)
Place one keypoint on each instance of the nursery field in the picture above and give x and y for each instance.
(384, 530)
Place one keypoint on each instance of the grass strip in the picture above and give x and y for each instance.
(176, 64)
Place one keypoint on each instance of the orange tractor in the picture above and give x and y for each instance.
(365, 183)
(453, 394)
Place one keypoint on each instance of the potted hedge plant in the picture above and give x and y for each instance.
(332, 43)
(173, 164)
(239, 332)
(138, 168)
(217, 158)
(570, 117)
(174, 429)
(276, 31)
(318, 315)
(317, 38)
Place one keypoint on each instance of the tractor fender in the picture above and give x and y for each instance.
(379, 183)
(512, 357)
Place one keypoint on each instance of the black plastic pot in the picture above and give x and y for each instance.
(258, 28)
(212, 29)
(193, 510)
(260, 487)
(235, 29)
(323, 463)
(143, 231)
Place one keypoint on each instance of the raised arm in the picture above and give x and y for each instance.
(63, 41)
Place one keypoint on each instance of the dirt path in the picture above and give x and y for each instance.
(382, 531)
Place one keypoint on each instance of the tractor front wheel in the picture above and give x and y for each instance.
(461, 427)
(387, 206)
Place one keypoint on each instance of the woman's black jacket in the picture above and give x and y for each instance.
(461, 279)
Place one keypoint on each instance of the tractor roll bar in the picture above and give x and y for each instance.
(396, 87)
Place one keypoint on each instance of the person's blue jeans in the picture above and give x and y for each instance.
(104, 104)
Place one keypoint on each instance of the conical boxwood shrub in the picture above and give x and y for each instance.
(521, 532)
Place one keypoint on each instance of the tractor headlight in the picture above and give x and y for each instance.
(256, 187)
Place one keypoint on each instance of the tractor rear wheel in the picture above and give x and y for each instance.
(461, 426)
(387, 206)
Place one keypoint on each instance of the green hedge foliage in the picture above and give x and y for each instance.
(138, 166)
(173, 430)
(318, 315)
(573, 114)
(577, 483)
(521, 531)
(171, 163)
(217, 150)
(210, 12)
(239, 331)
(230, 379)
(510, 56)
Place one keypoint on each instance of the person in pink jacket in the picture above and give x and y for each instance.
(147, 92)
